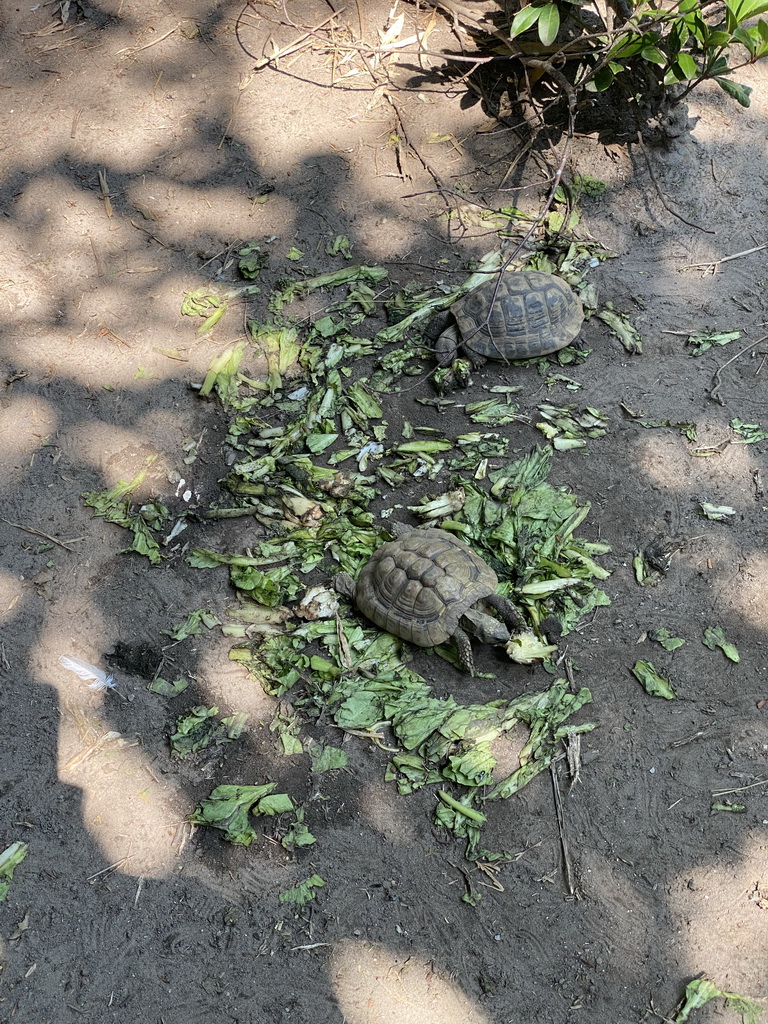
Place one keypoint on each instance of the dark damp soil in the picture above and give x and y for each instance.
(121, 912)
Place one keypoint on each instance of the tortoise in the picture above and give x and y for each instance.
(426, 586)
(522, 315)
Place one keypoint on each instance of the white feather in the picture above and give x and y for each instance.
(100, 679)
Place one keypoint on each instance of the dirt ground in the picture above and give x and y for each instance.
(121, 912)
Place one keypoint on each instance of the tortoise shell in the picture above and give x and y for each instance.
(532, 315)
(419, 585)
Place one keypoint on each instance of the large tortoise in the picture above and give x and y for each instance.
(521, 315)
(427, 586)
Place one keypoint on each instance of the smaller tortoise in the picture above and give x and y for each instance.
(522, 315)
(427, 586)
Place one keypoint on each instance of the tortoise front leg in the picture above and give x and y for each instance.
(447, 346)
(464, 650)
(509, 614)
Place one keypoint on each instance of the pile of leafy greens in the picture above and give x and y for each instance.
(313, 449)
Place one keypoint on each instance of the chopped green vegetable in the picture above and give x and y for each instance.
(10, 859)
(714, 637)
(204, 303)
(193, 625)
(703, 340)
(222, 374)
(750, 433)
(718, 513)
(347, 275)
(302, 893)
(622, 328)
(726, 806)
(493, 412)
(340, 246)
(567, 428)
(688, 430)
(286, 724)
(228, 808)
(281, 348)
(298, 834)
(252, 260)
(166, 688)
(653, 683)
(115, 506)
(700, 991)
(447, 504)
(326, 759)
(200, 729)
(271, 587)
(526, 648)
(665, 638)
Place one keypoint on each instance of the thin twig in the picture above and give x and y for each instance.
(690, 739)
(298, 43)
(740, 789)
(420, 157)
(38, 533)
(664, 202)
(723, 259)
(112, 867)
(100, 269)
(714, 393)
(131, 50)
(104, 193)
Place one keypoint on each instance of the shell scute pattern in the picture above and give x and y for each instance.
(533, 314)
(419, 586)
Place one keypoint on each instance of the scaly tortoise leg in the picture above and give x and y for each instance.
(464, 650)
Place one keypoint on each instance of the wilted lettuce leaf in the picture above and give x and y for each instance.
(302, 893)
(192, 625)
(200, 728)
(714, 637)
(325, 759)
(653, 683)
(10, 859)
(229, 807)
(166, 688)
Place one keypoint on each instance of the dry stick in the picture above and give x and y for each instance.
(572, 890)
(664, 202)
(422, 160)
(714, 395)
(39, 533)
(104, 193)
(263, 62)
(100, 269)
(724, 259)
(131, 50)
(690, 739)
(740, 789)
(75, 119)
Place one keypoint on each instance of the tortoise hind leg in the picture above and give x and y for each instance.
(464, 650)
(509, 614)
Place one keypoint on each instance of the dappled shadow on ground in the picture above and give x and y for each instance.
(98, 362)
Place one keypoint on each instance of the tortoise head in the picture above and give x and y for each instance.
(484, 626)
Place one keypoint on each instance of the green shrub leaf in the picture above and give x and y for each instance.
(549, 24)
(735, 89)
(523, 20)
(653, 54)
(687, 65)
